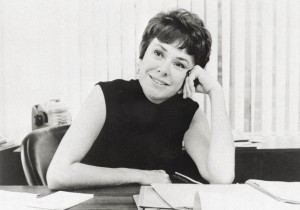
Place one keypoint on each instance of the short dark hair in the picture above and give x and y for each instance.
(183, 26)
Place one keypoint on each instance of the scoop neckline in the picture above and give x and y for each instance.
(176, 96)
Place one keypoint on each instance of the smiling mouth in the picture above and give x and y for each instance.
(158, 81)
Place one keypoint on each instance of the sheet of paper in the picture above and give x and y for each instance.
(231, 197)
(136, 200)
(283, 190)
(177, 195)
(236, 200)
(149, 198)
(60, 200)
(15, 200)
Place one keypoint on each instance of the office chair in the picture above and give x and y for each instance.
(37, 151)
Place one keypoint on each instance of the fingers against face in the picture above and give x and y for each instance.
(191, 79)
(189, 87)
(187, 90)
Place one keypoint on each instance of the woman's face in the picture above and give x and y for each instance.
(163, 69)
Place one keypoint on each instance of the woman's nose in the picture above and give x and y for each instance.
(164, 67)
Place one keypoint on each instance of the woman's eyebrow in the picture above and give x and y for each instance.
(179, 58)
(159, 45)
(182, 59)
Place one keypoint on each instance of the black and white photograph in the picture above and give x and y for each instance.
(150, 104)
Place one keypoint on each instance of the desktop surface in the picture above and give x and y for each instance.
(120, 197)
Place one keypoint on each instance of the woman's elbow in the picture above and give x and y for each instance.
(225, 178)
(52, 181)
(56, 179)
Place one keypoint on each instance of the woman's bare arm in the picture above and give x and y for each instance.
(212, 149)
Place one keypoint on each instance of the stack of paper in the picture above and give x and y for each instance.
(212, 197)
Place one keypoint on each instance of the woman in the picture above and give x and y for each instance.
(132, 131)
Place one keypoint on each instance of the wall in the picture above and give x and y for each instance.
(61, 48)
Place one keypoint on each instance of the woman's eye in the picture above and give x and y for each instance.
(158, 53)
(179, 65)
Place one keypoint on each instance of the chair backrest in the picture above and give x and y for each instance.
(37, 151)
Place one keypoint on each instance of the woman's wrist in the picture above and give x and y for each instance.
(132, 175)
(216, 90)
(141, 177)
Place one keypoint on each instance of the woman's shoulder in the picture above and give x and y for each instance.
(118, 90)
(186, 103)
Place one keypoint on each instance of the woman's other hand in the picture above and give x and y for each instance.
(205, 85)
(155, 176)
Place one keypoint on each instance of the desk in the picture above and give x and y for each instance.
(104, 198)
(251, 163)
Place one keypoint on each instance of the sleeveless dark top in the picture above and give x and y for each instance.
(138, 133)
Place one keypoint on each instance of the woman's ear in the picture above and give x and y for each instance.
(138, 67)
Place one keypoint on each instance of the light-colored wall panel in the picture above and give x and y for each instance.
(238, 63)
(211, 20)
(141, 20)
(225, 54)
(184, 4)
(2, 73)
(62, 48)
(267, 65)
(34, 60)
(258, 72)
(72, 95)
(87, 44)
(198, 7)
(155, 7)
(253, 57)
(280, 65)
(101, 40)
(128, 40)
(247, 74)
(114, 40)
(294, 66)
(169, 5)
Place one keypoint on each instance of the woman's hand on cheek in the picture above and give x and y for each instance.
(205, 85)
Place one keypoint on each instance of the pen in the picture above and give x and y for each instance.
(43, 194)
(187, 178)
(242, 140)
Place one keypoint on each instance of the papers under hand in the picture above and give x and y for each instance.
(149, 198)
(287, 192)
(177, 195)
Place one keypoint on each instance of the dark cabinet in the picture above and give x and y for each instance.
(11, 171)
(251, 163)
